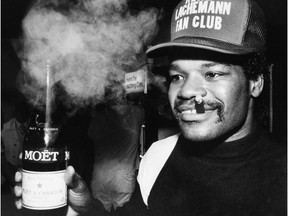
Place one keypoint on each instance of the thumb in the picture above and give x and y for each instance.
(79, 197)
(74, 181)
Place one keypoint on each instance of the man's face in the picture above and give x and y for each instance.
(226, 109)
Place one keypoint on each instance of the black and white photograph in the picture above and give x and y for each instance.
(143, 108)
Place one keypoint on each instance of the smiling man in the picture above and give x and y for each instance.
(223, 162)
(221, 90)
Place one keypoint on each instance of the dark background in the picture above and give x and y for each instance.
(13, 11)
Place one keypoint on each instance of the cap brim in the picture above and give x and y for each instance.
(166, 49)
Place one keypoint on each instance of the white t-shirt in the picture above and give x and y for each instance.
(152, 163)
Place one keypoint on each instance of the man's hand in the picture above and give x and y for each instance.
(79, 197)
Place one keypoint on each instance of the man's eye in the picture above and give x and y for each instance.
(212, 75)
(175, 78)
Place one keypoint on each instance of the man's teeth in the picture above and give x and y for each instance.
(189, 111)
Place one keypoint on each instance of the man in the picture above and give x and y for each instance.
(115, 132)
(13, 129)
(222, 162)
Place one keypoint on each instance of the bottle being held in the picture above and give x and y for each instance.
(44, 161)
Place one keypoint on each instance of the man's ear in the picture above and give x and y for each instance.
(256, 86)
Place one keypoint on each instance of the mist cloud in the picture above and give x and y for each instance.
(89, 45)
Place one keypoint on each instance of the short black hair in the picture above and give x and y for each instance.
(256, 66)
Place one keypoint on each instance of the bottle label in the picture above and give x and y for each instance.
(44, 190)
(46, 155)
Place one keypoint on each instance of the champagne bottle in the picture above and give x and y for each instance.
(44, 161)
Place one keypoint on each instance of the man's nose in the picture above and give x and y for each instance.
(191, 88)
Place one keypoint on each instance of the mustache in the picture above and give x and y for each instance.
(207, 104)
(204, 105)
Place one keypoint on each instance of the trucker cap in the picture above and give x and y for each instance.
(225, 26)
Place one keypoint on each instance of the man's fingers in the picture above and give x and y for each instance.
(17, 191)
(18, 194)
(18, 204)
(18, 177)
